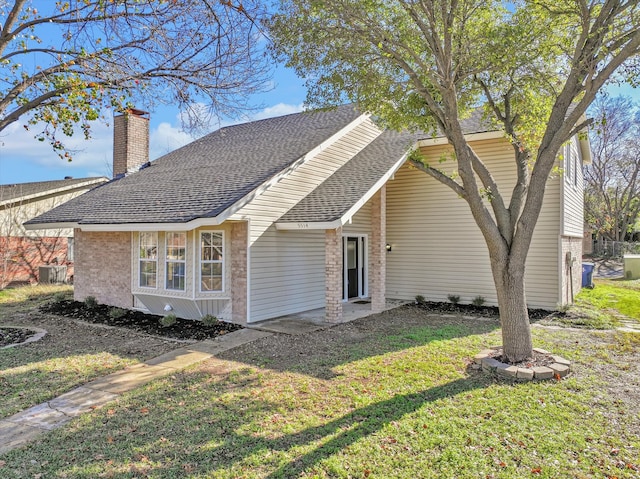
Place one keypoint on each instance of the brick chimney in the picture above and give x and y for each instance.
(130, 141)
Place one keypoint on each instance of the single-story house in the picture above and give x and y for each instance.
(304, 211)
(23, 252)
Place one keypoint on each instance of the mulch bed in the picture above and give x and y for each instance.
(195, 330)
(184, 329)
(482, 311)
(14, 336)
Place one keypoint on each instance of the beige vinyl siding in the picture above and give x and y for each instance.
(438, 250)
(573, 194)
(286, 268)
(287, 273)
(281, 197)
(14, 215)
(361, 221)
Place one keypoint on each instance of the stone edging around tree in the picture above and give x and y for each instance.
(39, 334)
(559, 367)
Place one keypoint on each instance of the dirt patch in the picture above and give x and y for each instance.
(183, 329)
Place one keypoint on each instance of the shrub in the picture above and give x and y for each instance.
(454, 298)
(168, 320)
(91, 302)
(209, 320)
(59, 297)
(478, 301)
(117, 313)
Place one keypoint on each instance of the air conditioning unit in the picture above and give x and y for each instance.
(632, 266)
(52, 274)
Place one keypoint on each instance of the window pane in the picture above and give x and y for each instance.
(148, 274)
(176, 245)
(211, 277)
(211, 246)
(216, 284)
(148, 245)
(175, 275)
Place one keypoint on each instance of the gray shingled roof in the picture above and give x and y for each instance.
(335, 196)
(15, 192)
(204, 178)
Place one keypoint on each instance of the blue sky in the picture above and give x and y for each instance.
(23, 159)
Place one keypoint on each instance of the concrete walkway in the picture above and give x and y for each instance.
(314, 319)
(33, 422)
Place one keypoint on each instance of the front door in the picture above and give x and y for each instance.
(354, 269)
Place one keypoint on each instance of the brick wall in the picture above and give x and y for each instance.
(22, 256)
(130, 142)
(239, 244)
(573, 245)
(103, 267)
(333, 275)
(378, 258)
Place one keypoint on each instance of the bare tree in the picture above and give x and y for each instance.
(68, 63)
(612, 194)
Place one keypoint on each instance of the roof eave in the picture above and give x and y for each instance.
(55, 191)
(113, 227)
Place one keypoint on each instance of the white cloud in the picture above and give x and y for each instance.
(278, 110)
(19, 145)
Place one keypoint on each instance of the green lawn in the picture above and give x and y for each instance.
(604, 306)
(386, 397)
(70, 355)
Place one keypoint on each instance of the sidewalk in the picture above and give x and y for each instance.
(33, 422)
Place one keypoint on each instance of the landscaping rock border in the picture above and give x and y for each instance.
(557, 368)
(39, 333)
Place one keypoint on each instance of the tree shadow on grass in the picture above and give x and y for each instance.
(217, 437)
(364, 422)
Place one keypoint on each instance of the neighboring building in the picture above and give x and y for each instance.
(23, 252)
(304, 211)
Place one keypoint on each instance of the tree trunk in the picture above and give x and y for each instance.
(514, 316)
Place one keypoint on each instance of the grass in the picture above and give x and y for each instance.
(15, 300)
(606, 305)
(69, 356)
(407, 413)
(397, 402)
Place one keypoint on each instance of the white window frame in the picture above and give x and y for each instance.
(147, 260)
(168, 260)
(221, 261)
(363, 267)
